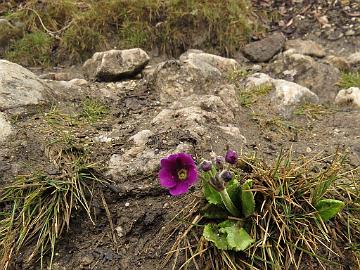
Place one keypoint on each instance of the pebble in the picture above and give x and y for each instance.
(127, 204)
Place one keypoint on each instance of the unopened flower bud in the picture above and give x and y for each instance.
(219, 162)
(231, 157)
(217, 184)
(206, 166)
(226, 176)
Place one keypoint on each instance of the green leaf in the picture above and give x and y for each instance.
(328, 208)
(247, 199)
(211, 195)
(212, 234)
(214, 212)
(321, 188)
(234, 191)
(237, 237)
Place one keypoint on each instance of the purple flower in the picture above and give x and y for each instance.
(231, 157)
(177, 173)
(219, 162)
(206, 165)
(226, 176)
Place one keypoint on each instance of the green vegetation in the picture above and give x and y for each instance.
(249, 96)
(349, 79)
(31, 50)
(36, 209)
(303, 211)
(40, 207)
(93, 110)
(313, 111)
(76, 29)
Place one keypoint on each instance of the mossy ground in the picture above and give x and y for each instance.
(71, 31)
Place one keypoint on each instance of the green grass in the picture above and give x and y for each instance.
(79, 28)
(251, 95)
(31, 50)
(313, 111)
(349, 79)
(286, 225)
(93, 110)
(40, 208)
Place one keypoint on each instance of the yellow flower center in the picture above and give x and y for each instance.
(182, 174)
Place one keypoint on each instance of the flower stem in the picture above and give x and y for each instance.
(228, 203)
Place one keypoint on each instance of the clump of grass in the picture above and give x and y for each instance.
(33, 49)
(286, 226)
(251, 95)
(237, 74)
(93, 110)
(81, 28)
(349, 79)
(39, 207)
(313, 111)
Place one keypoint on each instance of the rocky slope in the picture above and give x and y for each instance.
(200, 103)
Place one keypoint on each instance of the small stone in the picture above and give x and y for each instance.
(350, 32)
(120, 231)
(127, 204)
(263, 50)
(308, 150)
(305, 47)
(5, 128)
(349, 97)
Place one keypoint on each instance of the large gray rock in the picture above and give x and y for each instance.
(5, 128)
(114, 65)
(305, 47)
(19, 86)
(320, 78)
(349, 97)
(263, 50)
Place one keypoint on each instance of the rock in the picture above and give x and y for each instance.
(141, 137)
(339, 62)
(305, 47)
(263, 50)
(287, 94)
(20, 87)
(210, 65)
(320, 78)
(349, 97)
(5, 128)
(354, 59)
(115, 65)
(57, 76)
(257, 79)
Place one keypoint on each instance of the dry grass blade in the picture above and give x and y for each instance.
(41, 208)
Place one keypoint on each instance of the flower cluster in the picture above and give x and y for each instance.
(178, 172)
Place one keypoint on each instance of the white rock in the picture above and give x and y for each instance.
(209, 64)
(141, 137)
(350, 96)
(114, 65)
(289, 93)
(354, 59)
(5, 128)
(19, 86)
(257, 79)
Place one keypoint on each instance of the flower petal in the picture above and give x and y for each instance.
(185, 159)
(166, 178)
(180, 188)
(192, 176)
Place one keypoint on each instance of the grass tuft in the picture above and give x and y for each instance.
(93, 110)
(251, 95)
(288, 231)
(33, 49)
(349, 79)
